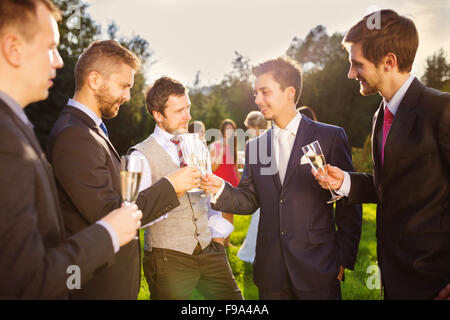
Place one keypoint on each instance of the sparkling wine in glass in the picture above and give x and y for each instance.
(204, 161)
(189, 143)
(315, 156)
(131, 168)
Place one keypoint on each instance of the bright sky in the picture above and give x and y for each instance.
(191, 35)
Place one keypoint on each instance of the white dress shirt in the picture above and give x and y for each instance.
(392, 105)
(163, 138)
(98, 121)
(291, 128)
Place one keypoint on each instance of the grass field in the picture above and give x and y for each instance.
(353, 288)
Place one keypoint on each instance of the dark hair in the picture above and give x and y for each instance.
(102, 56)
(22, 14)
(286, 71)
(158, 94)
(196, 126)
(397, 34)
(225, 142)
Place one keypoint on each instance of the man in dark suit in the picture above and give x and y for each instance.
(36, 255)
(299, 252)
(87, 167)
(411, 156)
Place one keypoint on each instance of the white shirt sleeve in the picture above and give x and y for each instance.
(344, 190)
(146, 182)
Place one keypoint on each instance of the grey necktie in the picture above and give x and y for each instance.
(284, 152)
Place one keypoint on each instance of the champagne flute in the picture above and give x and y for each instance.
(204, 162)
(131, 168)
(316, 158)
(189, 143)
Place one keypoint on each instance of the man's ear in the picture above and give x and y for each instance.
(390, 62)
(157, 115)
(95, 80)
(290, 91)
(12, 47)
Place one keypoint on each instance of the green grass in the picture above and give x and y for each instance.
(353, 288)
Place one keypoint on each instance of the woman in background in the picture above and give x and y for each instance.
(256, 125)
(224, 160)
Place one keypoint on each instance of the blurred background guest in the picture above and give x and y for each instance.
(224, 160)
(256, 125)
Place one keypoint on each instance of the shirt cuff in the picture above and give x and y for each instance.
(344, 190)
(113, 235)
(218, 193)
(164, 217)
(216, 234)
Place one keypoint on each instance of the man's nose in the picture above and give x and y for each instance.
(58, 62)
(352, 73)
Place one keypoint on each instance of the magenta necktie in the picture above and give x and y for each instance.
(176, 141)
(387, 122)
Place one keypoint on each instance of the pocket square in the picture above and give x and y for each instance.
(304, 160)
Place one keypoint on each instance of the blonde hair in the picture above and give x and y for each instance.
(255, 119)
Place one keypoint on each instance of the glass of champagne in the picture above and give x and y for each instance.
(315, 156)
(189, 143)
(204, 161)
(131, 168)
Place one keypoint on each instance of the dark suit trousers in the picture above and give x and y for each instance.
(173, 275)
(331, 292)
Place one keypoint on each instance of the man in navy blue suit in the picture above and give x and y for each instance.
(300, 254)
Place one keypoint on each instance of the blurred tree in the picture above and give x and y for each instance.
(77, 31)
(437, 73)
(133, 123)
(326, 88)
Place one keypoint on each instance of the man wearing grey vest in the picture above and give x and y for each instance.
(179, 254)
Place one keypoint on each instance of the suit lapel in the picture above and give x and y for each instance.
(303, 137)
(401, 126)
(32, 140)
(377, 125)
(31, 137)
(273, 161)
(91, 124)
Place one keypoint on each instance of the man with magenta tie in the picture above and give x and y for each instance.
(411, 156)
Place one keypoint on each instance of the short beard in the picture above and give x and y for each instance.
(106, 103)
(174, 131)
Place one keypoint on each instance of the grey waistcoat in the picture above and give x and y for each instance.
(185, 225)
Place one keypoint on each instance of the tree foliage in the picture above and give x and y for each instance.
(437, 73)
(326, 88)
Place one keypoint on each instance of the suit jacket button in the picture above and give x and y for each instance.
(282, 201)
(283, 233)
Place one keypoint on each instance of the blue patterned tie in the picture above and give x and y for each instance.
(103, 127)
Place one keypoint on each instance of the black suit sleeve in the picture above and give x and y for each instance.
(157, 200)
(348, 218)
(444, 134)
(33, 262)
(362, 189)
(242, 200)
(85, 175)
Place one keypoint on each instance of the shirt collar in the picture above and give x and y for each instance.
(16, 108)
(162, 134)
(398, 96)
(86, 110)
(292, 126)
